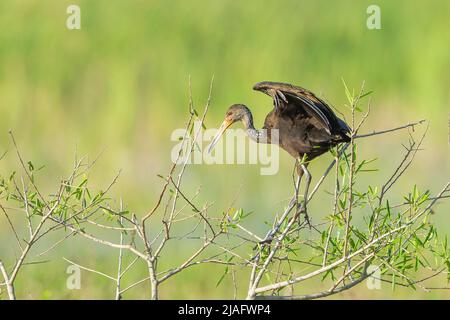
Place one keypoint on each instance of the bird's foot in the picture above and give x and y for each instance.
(303, 210)
(308, 221)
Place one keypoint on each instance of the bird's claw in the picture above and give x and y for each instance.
(303, 209)
(308, 222)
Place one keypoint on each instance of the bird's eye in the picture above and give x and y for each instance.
(228, 114)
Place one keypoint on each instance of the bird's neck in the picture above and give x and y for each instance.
(259, 136)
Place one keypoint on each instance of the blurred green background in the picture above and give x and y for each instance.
(120, 84)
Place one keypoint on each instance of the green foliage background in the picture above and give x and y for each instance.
(120, 84)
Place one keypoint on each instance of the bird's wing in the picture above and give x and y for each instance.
(286, 96)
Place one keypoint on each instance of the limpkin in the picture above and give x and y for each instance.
(307, 126)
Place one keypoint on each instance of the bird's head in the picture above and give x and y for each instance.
(236, 112)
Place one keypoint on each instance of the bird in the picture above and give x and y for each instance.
(306, 125)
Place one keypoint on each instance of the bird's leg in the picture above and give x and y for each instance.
(294, 201)
(305, 195)
(299, 171)
(297, 188)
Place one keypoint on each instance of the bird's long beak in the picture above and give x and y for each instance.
(223, 127)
